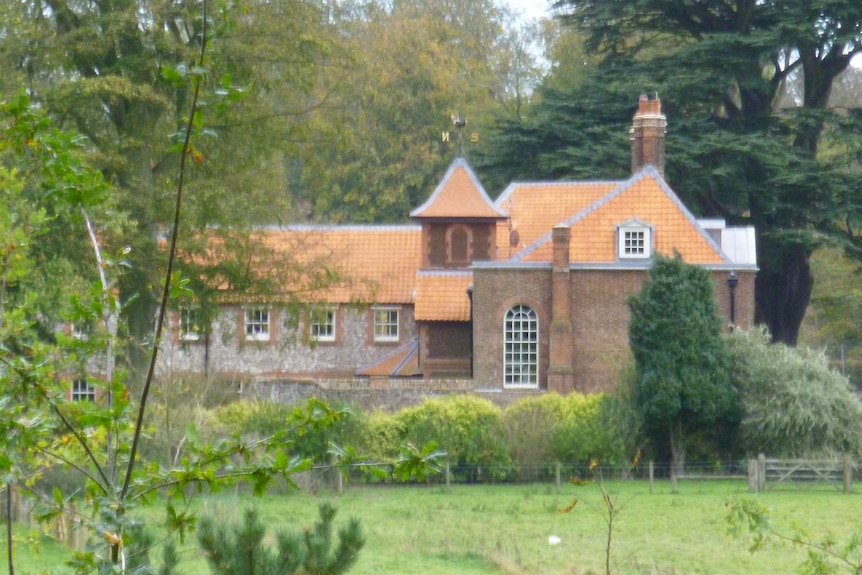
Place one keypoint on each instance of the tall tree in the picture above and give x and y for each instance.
(380, 150)
(682, 382)
(739, 145)
(115, 72)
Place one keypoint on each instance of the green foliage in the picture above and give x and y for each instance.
(242, 549)
(381, 436)
(792, 403)
(265, 418)
(682, 381)
(574, 429)
(676, 342)
(593, 427)
(828, 554)
(417, 463)
(42, 426)
(530, 426)
(468, 428)
(380, 150)
(835, 303)
(748, 518)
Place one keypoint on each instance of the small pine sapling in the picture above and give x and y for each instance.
(241, 549)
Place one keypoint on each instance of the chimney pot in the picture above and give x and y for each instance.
(647, 135)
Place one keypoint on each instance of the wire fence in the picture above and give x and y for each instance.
(757, 474)
(460, 473)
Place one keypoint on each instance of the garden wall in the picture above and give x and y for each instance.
(378, 393)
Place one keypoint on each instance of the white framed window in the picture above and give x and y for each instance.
(321, 324)
(82, 330)
(190, 323)
(257, 324)
(83, 390)
(635, 240)
(386, 324)
(521, 347)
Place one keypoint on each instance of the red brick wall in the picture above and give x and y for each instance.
(743, 298)
(445, 349)
(600, 323)
(600, 319)
(494, 292)
(482, 248)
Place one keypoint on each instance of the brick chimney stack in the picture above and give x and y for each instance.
(649, 126)
(561, 373)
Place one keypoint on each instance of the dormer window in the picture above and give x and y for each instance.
(634, 240)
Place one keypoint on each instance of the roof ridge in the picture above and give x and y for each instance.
(647, 171)
(412, 342)
(338, 227)
(461, 163)
(571, 220)
(444, 273)
(513, 186)
(649, 168)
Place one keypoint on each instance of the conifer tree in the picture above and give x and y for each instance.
(241, 550)
(682, 380)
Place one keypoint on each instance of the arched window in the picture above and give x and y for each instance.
(521, 347)
(458, 238)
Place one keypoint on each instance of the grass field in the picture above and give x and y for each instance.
(473, 530)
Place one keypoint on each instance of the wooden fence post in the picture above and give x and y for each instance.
(753, 476)
(447, 474)
(338, 478)
(557, 474)
(761, 472)
(651, 474)
(848, 474)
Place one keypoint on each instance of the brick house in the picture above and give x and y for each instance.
(527, 292)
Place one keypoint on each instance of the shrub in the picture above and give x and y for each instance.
(792, 403)
(381, 437)
(468, 428)
(594, 427)
(264, 418)
(530, 425)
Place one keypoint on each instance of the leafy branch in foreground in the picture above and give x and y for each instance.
(41, 426)
(52, 190)
(748, 519)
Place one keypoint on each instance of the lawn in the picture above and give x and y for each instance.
(484, 529)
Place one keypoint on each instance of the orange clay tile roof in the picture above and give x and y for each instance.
(442, 295)
(535, 208)
(646, 198)
(381, 264)
(459, 195)
(402, 362)
(368, 263)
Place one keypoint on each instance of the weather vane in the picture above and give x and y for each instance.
(460, 122)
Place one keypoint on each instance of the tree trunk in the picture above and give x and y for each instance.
(782, 289)
(677, 449)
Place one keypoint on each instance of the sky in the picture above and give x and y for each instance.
(530, 8)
